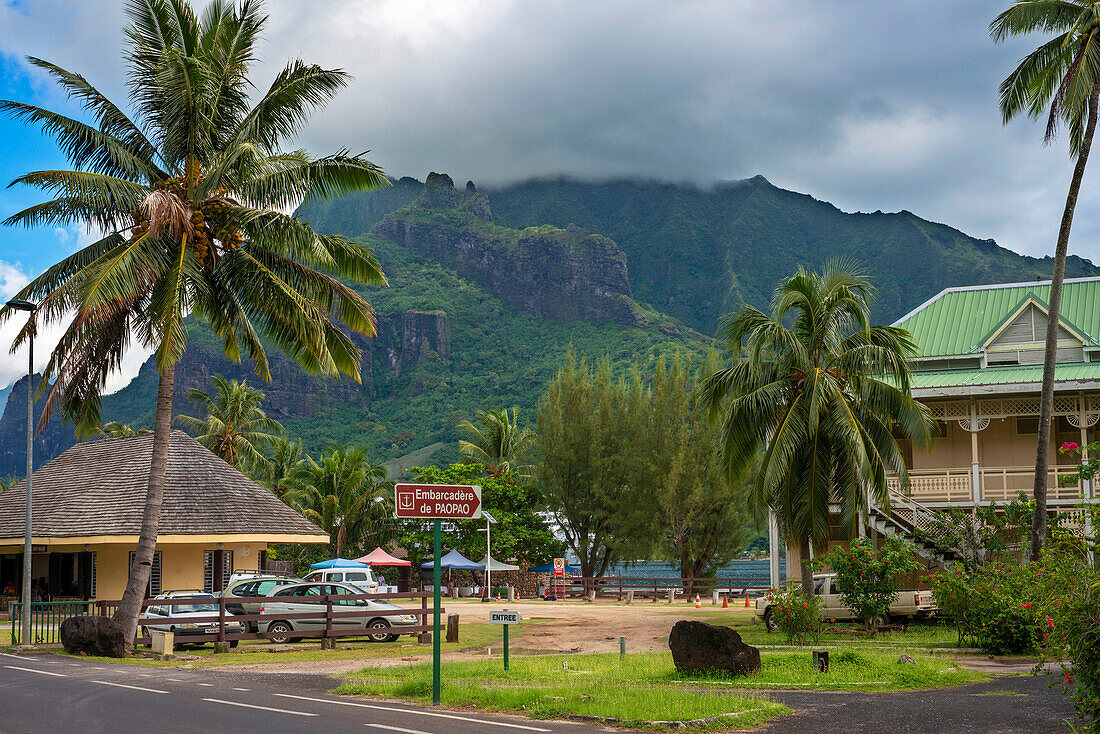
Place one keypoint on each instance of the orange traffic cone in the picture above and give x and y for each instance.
(697, 604)
(746, 599)
(725, 601)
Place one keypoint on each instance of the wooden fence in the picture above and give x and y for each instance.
(329, 609)
(653, 588)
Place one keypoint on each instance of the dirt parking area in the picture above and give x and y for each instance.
(575, 626)
(547, 627)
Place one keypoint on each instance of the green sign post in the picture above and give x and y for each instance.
(507, 619)
(437, 502)
(437, 579)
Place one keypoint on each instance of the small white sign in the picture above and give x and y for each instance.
(504, 617)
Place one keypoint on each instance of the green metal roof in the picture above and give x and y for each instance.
(958, 320)
(1008, 375)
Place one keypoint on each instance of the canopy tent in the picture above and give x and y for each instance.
(339, 563)
(494, 565)
(379, 557)
(457, 561)
(549, 568)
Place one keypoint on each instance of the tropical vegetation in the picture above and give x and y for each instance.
(187, 196)
(346, 496)
(823, 396)
(235, 427)
(868, 573)
(501, 444)
(1060, 81)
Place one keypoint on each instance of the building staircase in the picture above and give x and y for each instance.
(916, 522)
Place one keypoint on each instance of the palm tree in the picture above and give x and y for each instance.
(500, 444)
(282, 469)
(817, 403)
(348, 497)
(189, 197)
(235, 427)
(118, 429)
(1061, 81)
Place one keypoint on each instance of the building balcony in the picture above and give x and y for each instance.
(941, 487)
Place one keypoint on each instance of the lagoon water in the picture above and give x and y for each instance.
(739, 569)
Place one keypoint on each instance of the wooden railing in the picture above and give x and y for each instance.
(653, 588)
(1001, 484)
(937, 485)
(1006, 483)
(329, 608)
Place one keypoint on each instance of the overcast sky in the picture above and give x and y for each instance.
(867, 104)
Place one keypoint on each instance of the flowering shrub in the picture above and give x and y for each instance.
(1011, 631)
(798, 617)
(1076, 635)
(867, 576)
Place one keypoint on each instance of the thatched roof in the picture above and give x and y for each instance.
(98, 488)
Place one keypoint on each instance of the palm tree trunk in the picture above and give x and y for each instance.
(804, 567)
(129, 609)
(1046, 399)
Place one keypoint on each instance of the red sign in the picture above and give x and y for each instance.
(559, 566)
(437, 501)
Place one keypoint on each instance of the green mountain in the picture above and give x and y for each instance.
(695, 253)
(488, 291)
(475, 316)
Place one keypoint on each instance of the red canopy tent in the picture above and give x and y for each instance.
(378, 558)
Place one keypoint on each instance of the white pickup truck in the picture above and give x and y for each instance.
(910, 604)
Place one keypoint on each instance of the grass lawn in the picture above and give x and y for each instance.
(472, 634)
(646, 687)
(636, 691)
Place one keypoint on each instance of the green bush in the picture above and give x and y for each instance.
(798, 616)
(1011, 631)
(867, 576)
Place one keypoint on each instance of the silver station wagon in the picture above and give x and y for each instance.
(307, 597)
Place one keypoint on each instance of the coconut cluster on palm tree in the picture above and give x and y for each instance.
(815, 399)
(187, 182)
(1060, 81)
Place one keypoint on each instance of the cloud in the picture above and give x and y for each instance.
(14, 365)
(867, 104)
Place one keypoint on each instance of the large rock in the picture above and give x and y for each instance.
(698, 647)
(93, 636)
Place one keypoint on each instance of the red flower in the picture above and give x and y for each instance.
(1025, 606)
(1070, 446)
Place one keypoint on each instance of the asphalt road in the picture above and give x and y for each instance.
(53, 694)
(1004, 705)
(49, 694)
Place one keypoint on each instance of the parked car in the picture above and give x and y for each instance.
(910, 604)
(179, 618)
(306, 597)
(363, 578)
(253, 587)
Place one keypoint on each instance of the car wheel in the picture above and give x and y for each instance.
(279, 633)
(379, 636)
(771, 624)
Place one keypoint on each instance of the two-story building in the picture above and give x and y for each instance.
(980, 371)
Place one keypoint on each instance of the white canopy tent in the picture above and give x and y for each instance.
(492, 564)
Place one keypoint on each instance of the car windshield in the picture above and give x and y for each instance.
(193, 608)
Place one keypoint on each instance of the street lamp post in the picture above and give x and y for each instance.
(488, 555)
(25, 636)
